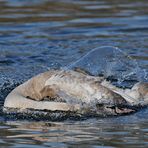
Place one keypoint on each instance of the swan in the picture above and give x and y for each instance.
(74, 90)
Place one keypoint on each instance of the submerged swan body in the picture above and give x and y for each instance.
(73, 91)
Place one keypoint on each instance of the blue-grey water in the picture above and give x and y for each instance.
(39, 35)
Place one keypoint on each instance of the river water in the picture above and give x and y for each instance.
(38, 35)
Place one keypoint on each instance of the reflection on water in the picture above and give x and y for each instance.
(109, 132)
(38, 35)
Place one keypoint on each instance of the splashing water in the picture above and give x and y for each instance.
(110, 61)
(130, 66)
(106, 60)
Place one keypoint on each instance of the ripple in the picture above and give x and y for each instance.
(38, 35)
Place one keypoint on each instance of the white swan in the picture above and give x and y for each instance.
(65, 89)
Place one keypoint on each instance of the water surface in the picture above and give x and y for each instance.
(38, 35)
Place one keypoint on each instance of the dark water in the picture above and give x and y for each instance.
(38, 35)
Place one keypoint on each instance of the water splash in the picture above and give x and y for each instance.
(131, 66)
(110, 61)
